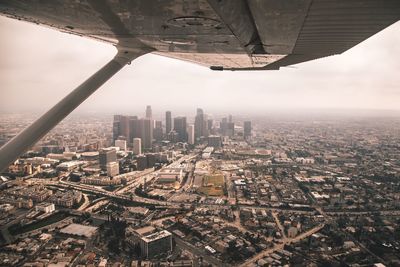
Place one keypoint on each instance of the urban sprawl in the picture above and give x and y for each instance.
(203, 191)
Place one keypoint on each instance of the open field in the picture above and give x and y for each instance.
(213, 185)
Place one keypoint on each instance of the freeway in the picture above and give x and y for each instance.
(85, 204)
(102, 192)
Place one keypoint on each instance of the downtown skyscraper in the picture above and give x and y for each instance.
(149, 113)
(168, 122)
(180, 128)
(200, 124)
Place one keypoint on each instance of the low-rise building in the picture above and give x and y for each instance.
(45, 207)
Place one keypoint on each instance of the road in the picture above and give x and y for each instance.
(333, 221)
(280, 246)
(199, 252)
(85, 204)
(278, 223)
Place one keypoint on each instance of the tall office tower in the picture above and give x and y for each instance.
(151, 160)
(121, 126)
(106, 156)
(116, 127)
(230, 118)
(205, 126)
(200, 124)
(210, 126)
(223, 126)
(112, 169)
(173, 136)
(168, 122)
(121, 144)
(137, 146)
(230, 131)
(146, 126)
(191, 134)
(214, 141)
(149, 114)
(180, 128)
(124, 126)
(247, 129)
(141, 162)
(158, 131)
(143, 129)
(134, 128)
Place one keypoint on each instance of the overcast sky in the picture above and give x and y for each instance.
(39, 66)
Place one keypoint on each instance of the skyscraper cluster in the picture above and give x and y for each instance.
(130, 127)
(140, 133)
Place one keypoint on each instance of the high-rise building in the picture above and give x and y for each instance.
(173, 136)
(149, 113)
(168, 122)
(121, 144)
(191, 134)
(143, 129)
(116, 127)
(158, 131)
(230, 131)
(141, 161)
(146, 126)
(180, 128)
(134, 128)
(247, 129)
(230, 119)
(156, 244)
(137, 146)
(122, 127)
(210, 123)
(112, 169)
(106, 156)
(151, 160)
(223, 126)
(214, 141)
(200, 124)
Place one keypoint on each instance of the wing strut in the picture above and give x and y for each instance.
(33, 133)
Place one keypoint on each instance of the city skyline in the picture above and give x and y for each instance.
(230, 157)
(365, 77)
(245, 197)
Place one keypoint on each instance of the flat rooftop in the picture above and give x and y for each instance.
(156, 236)
(79, 230)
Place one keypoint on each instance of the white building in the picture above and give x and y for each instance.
(170, 175)
(45, 207)
(191, 134)
(156, 244)
(112, 169)
(137, 146)
(121, 144)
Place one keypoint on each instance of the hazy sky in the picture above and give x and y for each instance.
(39, 66)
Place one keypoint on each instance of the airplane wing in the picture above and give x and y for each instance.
(224, 34)
(221, 34)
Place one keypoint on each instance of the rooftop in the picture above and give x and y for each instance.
(79, 230)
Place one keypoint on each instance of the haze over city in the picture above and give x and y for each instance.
(39, 66)
(281, 149)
